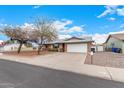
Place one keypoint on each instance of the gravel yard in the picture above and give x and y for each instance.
(27, 53)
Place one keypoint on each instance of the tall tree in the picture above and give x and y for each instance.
(45, 31)
(18, 34)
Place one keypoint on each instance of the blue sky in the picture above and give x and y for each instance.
(74, 20)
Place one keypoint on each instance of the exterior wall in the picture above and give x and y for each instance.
(123, 48)
(100, 48)
(1, 49)
(61, 48)
(11, 47)
(65, 48)
(48, 47)
(117, 43)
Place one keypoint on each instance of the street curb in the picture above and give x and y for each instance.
(23, 60)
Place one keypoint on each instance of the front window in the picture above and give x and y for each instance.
(56, 45)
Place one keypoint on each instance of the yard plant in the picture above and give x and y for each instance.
(43, 31)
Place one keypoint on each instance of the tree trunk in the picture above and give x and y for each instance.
(39, 48)
(40, 45)
(20, 46)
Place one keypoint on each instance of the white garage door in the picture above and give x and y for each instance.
(82, 48)
(100, 48)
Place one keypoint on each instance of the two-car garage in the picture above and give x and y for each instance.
(79, 48)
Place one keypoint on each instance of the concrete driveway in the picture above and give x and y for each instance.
(57, 60)
(65, 60)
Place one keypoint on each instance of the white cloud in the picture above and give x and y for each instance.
(64, 36)
(112, 10)
(112, 19)
(65, 26)
(62, 24)
(99, 38)
(113, 6)
(109, 10)
(3, 25)
(36, 6)
(1, 41)
(27, 26)
(75, 28)
(122, 25)
(120, 12)
(116, 32)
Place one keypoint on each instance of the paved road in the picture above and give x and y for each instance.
(14, 74)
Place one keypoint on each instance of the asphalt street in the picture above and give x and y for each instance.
(18, 75)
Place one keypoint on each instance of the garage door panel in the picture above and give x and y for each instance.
(81, 48)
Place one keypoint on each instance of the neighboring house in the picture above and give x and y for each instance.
(115, 41)
(98, 47)
(34, 45)
(74, 44)
(10, 47)
(1, 45)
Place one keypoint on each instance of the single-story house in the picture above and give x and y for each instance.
(74, 44)
(115, 41)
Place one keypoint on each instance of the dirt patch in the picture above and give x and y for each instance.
(107, 59)
(26, 53)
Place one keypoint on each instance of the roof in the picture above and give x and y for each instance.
(119, 36)
(77, 38)
(72, 40)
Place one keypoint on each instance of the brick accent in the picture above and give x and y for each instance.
(89, 45)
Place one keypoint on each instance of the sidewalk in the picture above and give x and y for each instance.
(109, 73)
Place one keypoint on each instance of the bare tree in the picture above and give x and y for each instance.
(42, 31)
(45, 31)
(18, 34)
